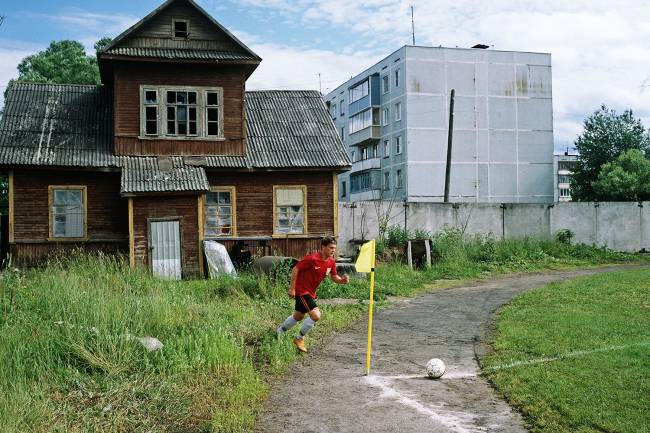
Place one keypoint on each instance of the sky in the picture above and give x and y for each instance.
(600, 49)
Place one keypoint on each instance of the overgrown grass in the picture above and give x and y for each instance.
(70, 361)
(596, 331)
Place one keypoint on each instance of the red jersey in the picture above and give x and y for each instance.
(312, 270)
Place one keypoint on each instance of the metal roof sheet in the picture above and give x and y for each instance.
(177, 53)
(161, 174)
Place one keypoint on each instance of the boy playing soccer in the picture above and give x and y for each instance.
(306, 276)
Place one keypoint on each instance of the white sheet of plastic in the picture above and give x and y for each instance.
(218, 259)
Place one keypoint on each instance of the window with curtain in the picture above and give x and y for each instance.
(290, 210)
(67, 212)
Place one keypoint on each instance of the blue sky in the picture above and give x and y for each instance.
(600, 49)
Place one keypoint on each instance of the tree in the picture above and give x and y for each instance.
(63, 62)
(606, 135)
(625, 179)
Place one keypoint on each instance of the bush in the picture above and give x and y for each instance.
(564, 236)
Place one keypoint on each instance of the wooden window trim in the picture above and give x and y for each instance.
(275, 212)
(187, 24)
(50, 200)
(201, 110)
(233, 202)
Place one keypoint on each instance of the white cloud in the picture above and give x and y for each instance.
(11, 53)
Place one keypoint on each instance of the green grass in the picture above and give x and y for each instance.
(603, 391)
(69, 361)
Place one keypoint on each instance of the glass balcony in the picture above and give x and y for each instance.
(366, 164)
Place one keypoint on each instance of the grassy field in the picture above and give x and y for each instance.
(70, 361)
(595, 336)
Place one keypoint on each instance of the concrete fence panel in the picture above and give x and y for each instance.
(580, 218)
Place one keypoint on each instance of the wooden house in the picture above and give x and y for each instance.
(169, 151)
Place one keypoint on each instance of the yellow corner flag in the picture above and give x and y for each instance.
(366, 263)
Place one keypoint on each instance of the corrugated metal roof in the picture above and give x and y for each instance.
(161, 174)
(291, 128)
(179, 54)
(72, 126)
(54, 124)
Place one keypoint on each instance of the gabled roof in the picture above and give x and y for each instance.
(114, 47)
(55, 125)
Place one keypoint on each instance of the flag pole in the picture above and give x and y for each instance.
(370, 308)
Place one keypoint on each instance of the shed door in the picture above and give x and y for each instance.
(165, 249)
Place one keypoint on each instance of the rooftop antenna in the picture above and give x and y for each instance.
(320, 85)
(412, 25)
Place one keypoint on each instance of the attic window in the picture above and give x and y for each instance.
(181, 29)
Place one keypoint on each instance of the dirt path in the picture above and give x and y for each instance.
(327, 392)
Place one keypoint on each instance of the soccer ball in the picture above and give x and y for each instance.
(435, 368)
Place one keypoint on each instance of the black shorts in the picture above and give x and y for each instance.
(305, 303)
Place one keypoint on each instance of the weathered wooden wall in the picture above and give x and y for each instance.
(128, 76)
(107, 217)
(185, 209)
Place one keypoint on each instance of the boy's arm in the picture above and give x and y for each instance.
(292, 285)
(340, 280)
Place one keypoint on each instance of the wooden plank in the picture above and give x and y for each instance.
(335, 210)
(131, 234)
(11, 207)
(199, 213)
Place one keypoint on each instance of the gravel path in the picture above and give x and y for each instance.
(326, 390)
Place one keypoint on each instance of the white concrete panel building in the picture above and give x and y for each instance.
(394, 119)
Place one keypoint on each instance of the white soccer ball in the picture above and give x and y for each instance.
(435, 368)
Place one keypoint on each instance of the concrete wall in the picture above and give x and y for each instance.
(619, 226)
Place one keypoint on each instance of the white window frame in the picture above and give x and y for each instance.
(386, 180)
(398, 111)
(398, 76)
(360, 121)
(52, 214)
(385, 84)
(386, 148)
(333, 107)
(385, 116)
(398, 145)
(359, 91)
(276, 210)
(341, 106)
(233, 212)
(201, 112)
(399, 183)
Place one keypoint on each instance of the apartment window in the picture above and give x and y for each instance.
(397, 77)
(385, 114)
(182, 112)
(386, 180)
(359, 91)
(566, 165)
(565, 192)
(354, 156)
(364, 153)
(181, 29)
(341, 107)
(398, 145)
(67, 212)
(563, 178)
(386, 148)
(333, 109)
(342, 132)
(374, 153)
(290, 210)
(398, 111)
(151, 112)
(360, 121)
(360, 182)
(398, 178)
(219, 212)
(344, 189)
(385, 84)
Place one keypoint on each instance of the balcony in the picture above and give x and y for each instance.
(366, 135)
(366, 164)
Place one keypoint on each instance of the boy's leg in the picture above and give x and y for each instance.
(289, 323)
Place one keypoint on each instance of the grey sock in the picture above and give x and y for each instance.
(306, 327)
(288, 324)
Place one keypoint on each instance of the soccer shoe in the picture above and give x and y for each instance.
(300, 344)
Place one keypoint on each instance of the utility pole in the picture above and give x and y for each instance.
(412, 25)
(449, 142)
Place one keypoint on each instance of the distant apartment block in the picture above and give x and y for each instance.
(563, 166)
(393, 118)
